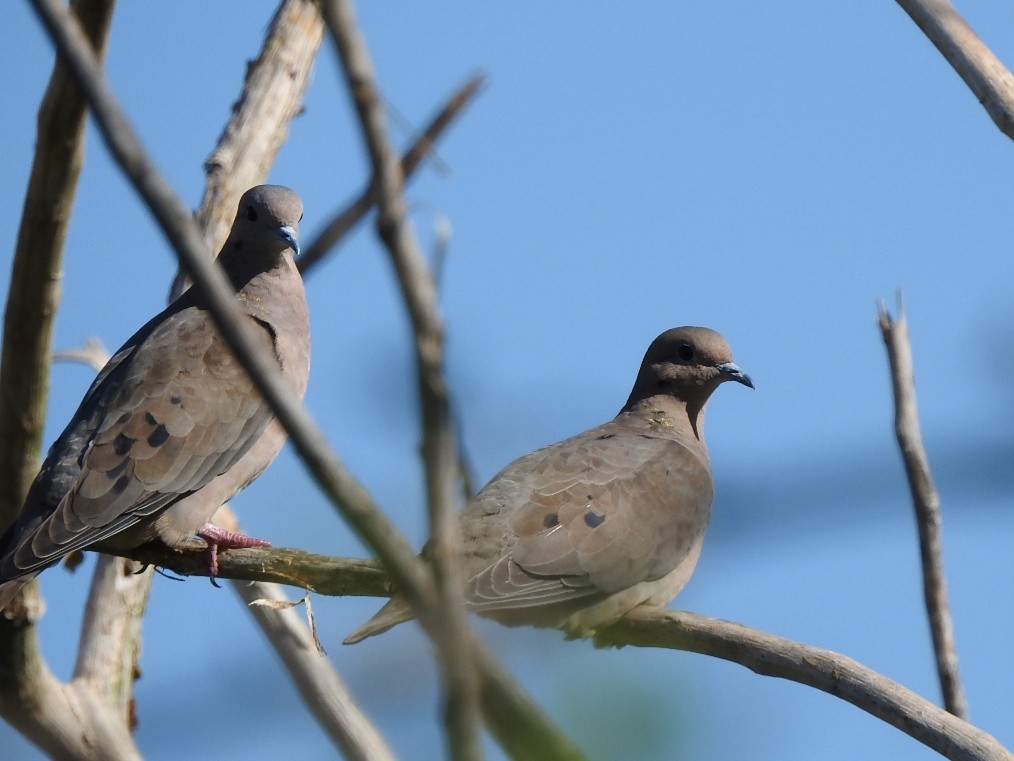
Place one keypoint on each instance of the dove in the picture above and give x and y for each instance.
(575, 535)
(173, 427)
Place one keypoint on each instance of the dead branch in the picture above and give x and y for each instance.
(927, 508)
(438, 446)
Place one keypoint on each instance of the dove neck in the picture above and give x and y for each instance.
(668, 411)
(244, 264)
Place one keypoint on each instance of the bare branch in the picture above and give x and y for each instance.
(66, 720)
(975, 63)
(835, 674)
(110, 644)
(438, 448)
(322, 689)
(272, 97)
(353, 213)
(348, 495)
(322, 574)
(927, 507)
(762, 653)
(34, 290)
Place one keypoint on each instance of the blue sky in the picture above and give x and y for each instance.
(768, 170)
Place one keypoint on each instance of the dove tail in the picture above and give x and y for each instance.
(394, 613)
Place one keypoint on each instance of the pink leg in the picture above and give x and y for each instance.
(218, 537)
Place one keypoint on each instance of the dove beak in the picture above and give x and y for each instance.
(731, 371)
(288, 235)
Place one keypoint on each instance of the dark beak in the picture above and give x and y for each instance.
(731, 371)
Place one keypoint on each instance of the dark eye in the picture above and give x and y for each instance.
(251, 213)
(685, 352)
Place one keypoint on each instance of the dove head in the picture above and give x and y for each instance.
(686, 364)
(268, 220)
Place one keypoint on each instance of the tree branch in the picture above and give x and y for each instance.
(835, 674)
(975, 63)
(927, 507)
(271, 98)
(348, 495)
(760, 652)
(318, 683)
(78, 720)
(346, 219)
(438, 448)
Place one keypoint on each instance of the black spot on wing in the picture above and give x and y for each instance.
(122, 444)
(593, 519)
(158, 437)
(552, 519)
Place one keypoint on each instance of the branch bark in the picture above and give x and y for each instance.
(461, 687)
(975, 63)
(835, 674)
(318, 683)
(927, 508)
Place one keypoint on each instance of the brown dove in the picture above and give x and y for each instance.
(578, 533)
(173, 427)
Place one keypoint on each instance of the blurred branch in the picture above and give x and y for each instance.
(438, 448)
(318, 683)
(835, 674)
(354, 502)
(927, 507)
(975, 63)
(271, 98)
(34, 290)
(342, 222)
(82, 719)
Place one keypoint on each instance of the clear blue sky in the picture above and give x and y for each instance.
(768, 170)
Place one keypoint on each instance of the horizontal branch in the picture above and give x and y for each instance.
(760, 652)
(326, 575)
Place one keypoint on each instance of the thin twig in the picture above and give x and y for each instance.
(354, 502)
(354, 212)
(322, 689)
(835, 674)
(975, 63)
(438, 447)
(927, 507)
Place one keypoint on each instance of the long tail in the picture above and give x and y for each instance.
(393, 613)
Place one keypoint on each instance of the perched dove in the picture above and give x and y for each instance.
(575, 535)
(172, 426)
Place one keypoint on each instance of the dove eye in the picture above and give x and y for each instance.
(685, 352)
(251, 213)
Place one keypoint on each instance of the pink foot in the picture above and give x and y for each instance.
(218, 537)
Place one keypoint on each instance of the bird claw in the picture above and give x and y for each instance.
(221, 538)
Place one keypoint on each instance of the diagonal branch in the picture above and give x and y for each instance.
(411, 576)
(927, 507)
(354, 212)
(975, 63)
(835, 674)
(438, 446)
